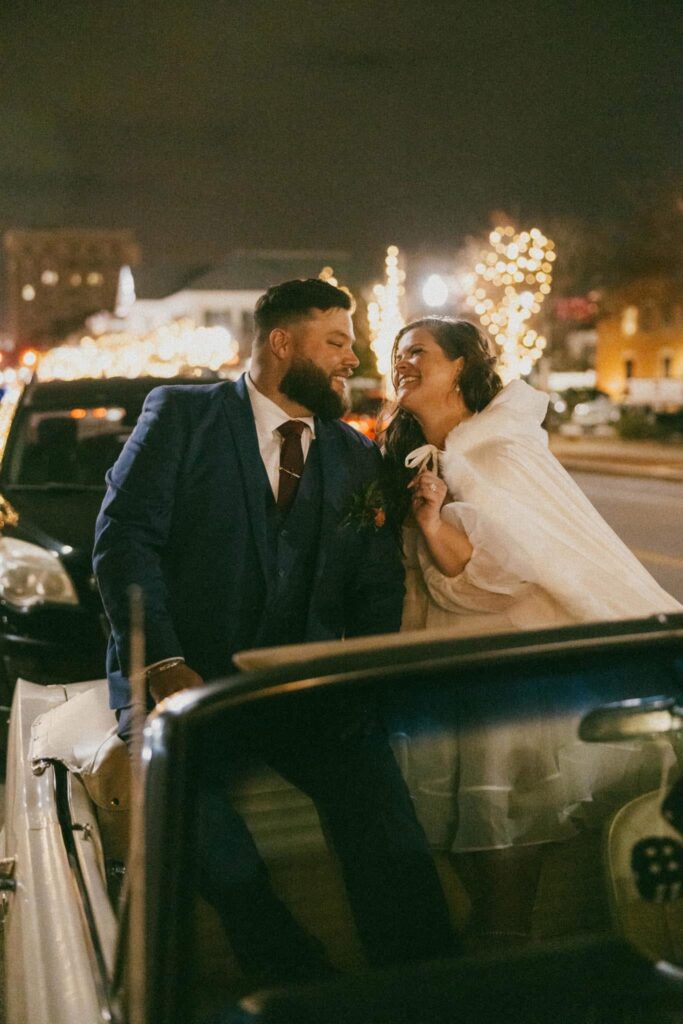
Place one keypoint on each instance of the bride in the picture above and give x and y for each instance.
(497, 537)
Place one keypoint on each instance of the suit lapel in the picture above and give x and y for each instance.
(334, 472)
(254, 477)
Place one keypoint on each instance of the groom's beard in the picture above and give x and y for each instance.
(310, 386)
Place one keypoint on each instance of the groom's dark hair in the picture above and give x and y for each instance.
(286, 303)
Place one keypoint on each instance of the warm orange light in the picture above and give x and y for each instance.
(364, 423)
(78, 414)
(99, 413)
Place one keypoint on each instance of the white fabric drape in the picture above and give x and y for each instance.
(531, 526)
(542, 556)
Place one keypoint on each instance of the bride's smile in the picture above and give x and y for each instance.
(426, 383)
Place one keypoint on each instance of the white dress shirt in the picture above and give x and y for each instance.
(268, 416)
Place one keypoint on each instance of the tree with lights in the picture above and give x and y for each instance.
(385, 314)
(507, 286)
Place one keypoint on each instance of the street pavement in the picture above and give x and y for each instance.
(614, 457)
(636, 487)
(646, 513)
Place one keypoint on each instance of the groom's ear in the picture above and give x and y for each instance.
(280, 343)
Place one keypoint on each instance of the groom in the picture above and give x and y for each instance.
(227, 507)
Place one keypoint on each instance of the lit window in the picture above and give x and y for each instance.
(75, 280)
(94, 278)
(28, 293)
(629, 320)
(49, 277)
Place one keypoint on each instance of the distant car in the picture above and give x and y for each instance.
(61, 437)
(606, 945)
(595, 413)
(575, 411)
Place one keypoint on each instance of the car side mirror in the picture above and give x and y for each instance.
(638, 718)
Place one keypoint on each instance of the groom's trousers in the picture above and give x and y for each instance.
(341, 758)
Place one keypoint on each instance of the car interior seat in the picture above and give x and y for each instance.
(54, 457)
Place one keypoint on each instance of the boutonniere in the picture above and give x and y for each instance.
(367, 509)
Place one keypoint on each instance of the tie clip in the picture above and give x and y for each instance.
(289, 471)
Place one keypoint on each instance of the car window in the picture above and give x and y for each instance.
(525, 822)
(71, 432)
(74, 444)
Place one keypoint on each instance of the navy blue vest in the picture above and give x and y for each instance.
(293, 552)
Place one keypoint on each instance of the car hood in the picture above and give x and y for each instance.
(56, 517)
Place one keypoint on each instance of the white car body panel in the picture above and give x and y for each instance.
(45, 926)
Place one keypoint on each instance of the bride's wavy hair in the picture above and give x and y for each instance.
(400, 431)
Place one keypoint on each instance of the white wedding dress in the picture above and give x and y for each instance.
(542, 557)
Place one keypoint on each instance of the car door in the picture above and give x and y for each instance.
(452, 710)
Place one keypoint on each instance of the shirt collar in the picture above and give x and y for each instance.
(268, 414)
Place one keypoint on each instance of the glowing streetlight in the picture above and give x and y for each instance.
(435, 291)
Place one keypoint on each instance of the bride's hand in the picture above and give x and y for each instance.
(429, 494)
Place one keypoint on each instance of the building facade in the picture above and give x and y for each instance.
(55, 279)
(224, 295)
(639, 353)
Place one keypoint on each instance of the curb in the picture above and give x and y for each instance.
(654, 471)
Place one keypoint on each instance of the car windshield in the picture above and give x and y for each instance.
(69, 434)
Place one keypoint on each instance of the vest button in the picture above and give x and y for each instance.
(281, 573)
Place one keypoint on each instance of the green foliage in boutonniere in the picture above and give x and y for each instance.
(367, 509)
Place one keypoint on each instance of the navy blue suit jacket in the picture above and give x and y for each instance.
(185, 518)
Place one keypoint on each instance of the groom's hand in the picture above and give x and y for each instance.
(179, 677)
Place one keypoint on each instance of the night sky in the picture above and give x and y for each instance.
(208, 126)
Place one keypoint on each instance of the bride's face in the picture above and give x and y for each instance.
(423, 376)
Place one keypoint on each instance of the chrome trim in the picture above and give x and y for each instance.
(108, 1012)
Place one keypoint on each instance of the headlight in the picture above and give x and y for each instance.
(30, 575)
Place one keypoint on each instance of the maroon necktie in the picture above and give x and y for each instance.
(291, 462)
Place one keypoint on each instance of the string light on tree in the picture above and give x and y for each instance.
(510, 282)
(385, 316)
(327, 274)
(176, 348)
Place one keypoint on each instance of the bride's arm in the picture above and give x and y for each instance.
(448, 546)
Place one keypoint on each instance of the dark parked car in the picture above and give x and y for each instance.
(60, 439)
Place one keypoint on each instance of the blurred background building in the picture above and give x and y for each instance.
(639, 355)
(56, 278)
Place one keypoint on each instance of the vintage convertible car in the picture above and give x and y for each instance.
(103, 921)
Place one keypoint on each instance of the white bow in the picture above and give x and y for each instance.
(425, 457)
